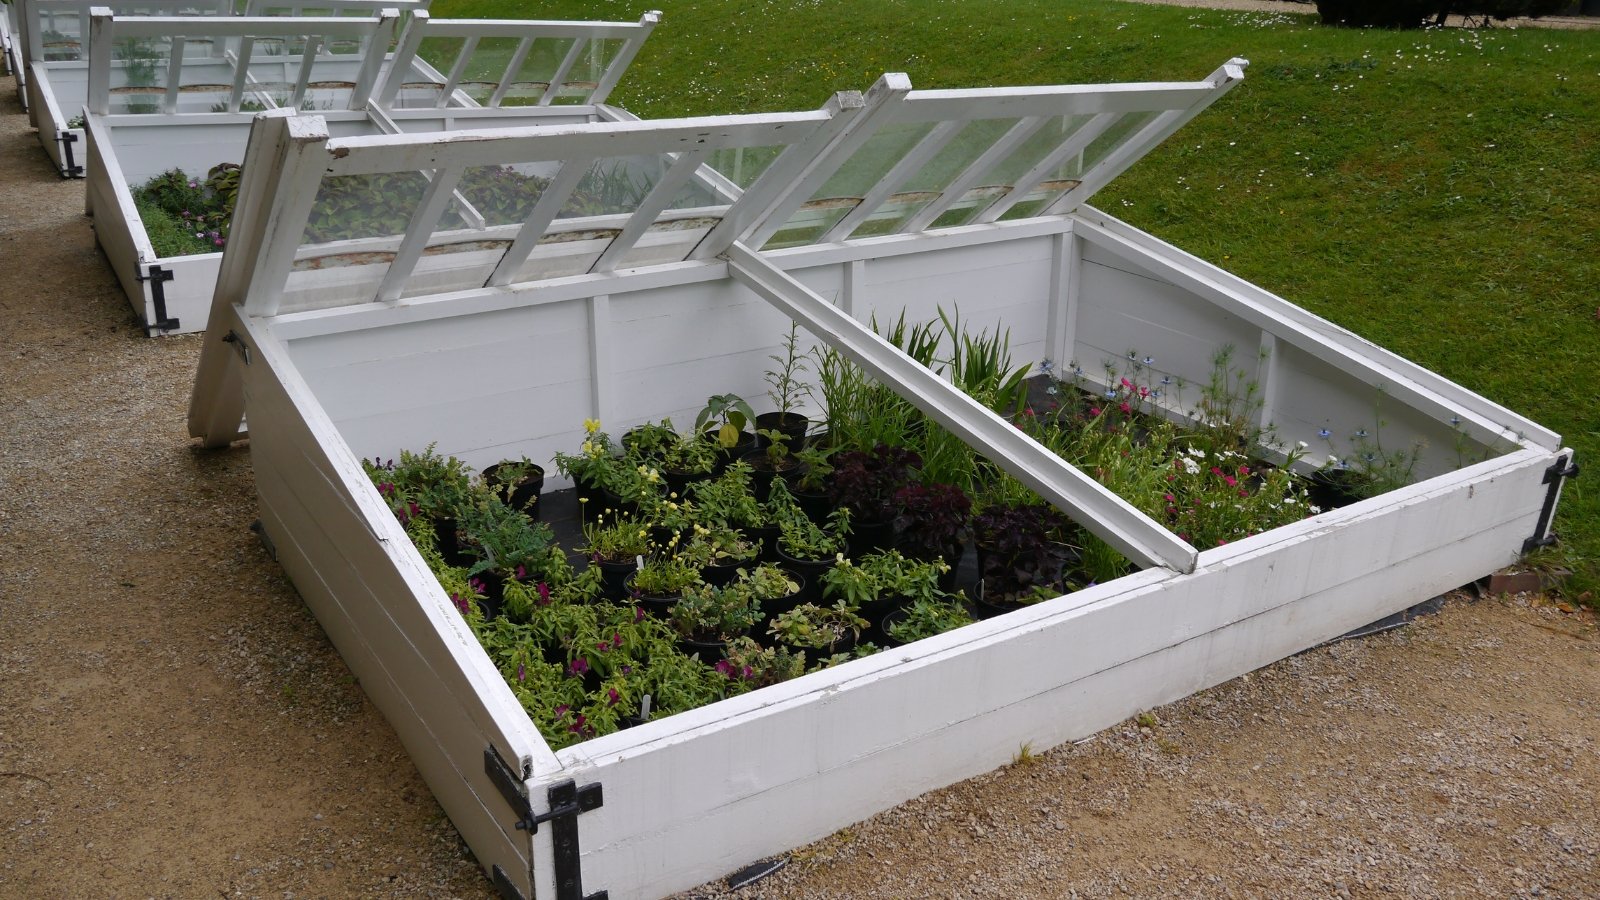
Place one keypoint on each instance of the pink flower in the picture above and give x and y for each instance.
(1094, 410)
(1230, 480)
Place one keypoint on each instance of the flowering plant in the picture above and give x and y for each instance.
(816, 627)
(929, 616)
(710, 613)
(619, 539)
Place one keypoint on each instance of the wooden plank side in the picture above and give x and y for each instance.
(441, 742)
(405, 603)
(687, 806)
(1310, 333)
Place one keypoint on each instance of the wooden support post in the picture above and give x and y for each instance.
(544, 212)
(909, 165)
(1061, 318)
(101, 43)
(855, 275)
(881, 102)
(404, 55)
(1266, 379)
(599, 308)
(435, 202)
(513, 66)
(367, 77)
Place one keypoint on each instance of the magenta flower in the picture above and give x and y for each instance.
(579, 666)
(522, 672)
(612, 697)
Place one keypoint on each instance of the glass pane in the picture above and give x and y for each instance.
(1001, 179)
(139, 75)
(930, 182)
(351, 207)
(668, 241)
(743, 165)
(587, 70)
(505, 195)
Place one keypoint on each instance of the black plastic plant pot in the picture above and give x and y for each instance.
(722, 574)
(815, 505)
(767, 536)
(493, 587)
(678, 480)
(867, 536)
(889, 620)
(726, 455)
(448, 542)
(658, 605)
(762, 473)
(777, 606)
(614, 577)
(524, 495)
(811, 570)
(791, 425)
(710, 652)
(1333, 488)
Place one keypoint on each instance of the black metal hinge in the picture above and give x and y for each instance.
(71, 169)
(566, 801)
(1560, 470)
(158, 276)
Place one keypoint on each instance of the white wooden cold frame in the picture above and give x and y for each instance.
(512, 367)
(54, 78)
(122, 150)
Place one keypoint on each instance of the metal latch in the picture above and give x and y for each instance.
(566, 801)
(1563, 468)
(158, 298)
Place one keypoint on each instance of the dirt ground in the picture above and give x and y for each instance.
(173, 722)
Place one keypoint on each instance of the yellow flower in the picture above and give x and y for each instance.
(591, 425)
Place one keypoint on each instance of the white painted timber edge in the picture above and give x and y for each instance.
(702, 793)
(275, 392)
(1309, 332)
(409, 310)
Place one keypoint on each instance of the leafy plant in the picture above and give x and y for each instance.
(709, 613)
(802, 538)
(932, 521)
(665, 575)
(1022, 547)
(785, 384)
(748, 666)
(866, 481)
(729, 413)
(816, 627)
(928, 616)
(618, 539)
(728, 499)
(882, 574)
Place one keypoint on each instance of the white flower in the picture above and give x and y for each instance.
(1315, 509)
(1192, 467)
(1197, 453)
(1300, 445)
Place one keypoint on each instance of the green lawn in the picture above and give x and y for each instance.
(1436, 192)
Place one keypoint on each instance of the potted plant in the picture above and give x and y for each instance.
(589, 467)
(786, 388)
(810, 486)
(707, 617)
(649, 442)
(933, 521)
(720, 551)
(517, 482)
(688, 458)
(865, 482)
(616, 545)
(662, 579)
(773, 589)
(817, 632)
(723, 420)
(1022, 556)
(507, 545)
(810, 549)
(924, 618)
(774, 460)
(748, 666)
(880, 582)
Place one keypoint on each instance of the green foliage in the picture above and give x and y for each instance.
(928, 616)
(786, 385)
(729, 414)
(815, 627)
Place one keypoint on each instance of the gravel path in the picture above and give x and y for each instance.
(174, 723)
